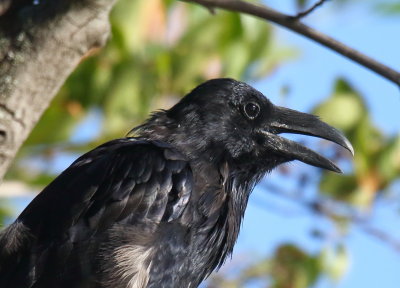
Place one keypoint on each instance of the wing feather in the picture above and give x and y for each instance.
(123, 182)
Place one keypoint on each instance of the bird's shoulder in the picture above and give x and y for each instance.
(122, 181)
(125, 184)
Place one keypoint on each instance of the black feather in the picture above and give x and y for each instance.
(163, 208)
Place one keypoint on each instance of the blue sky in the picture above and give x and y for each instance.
(310, 78)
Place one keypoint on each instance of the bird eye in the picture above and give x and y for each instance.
(251, 110)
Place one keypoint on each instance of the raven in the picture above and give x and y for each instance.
(161, 208)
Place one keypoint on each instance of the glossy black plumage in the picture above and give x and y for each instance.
(163, 208)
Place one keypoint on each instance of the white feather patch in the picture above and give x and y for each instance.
(133, 265)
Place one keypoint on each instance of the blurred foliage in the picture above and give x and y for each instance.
(4, 213)
(389, 8)
(292, 267)
(159, 50)
(343, 200)
(377, 157)
(384, 7)
(288, 267)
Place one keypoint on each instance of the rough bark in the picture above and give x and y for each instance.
(41, 42)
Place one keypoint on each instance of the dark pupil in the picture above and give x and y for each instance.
(252, 110)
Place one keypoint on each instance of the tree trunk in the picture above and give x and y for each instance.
(41, 42)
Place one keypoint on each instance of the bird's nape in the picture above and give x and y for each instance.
(162, 208)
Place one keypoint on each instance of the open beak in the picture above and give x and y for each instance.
(291, 121)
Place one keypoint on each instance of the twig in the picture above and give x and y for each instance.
(322, 208)
(309, 10)
(382, 236)
(289, 22)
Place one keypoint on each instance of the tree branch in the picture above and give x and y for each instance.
(309, 10)
(326, 209)
(41, 43)
(295, 25)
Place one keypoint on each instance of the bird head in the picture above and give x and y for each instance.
(225, 118)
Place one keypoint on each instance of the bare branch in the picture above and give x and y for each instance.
(309, 10)
(326, 209)
(295, 25)
(382, 236)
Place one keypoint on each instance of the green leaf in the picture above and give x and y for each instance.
(338, 186)
(336, 262)
(344, 109)
(5, 212)
(389, 160)
(389, 8)
(293, 267)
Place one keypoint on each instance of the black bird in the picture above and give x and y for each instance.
(163, 208)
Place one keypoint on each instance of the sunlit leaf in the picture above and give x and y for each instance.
(389, 161)
(293, 267)
(336, 262)
(344, 109)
